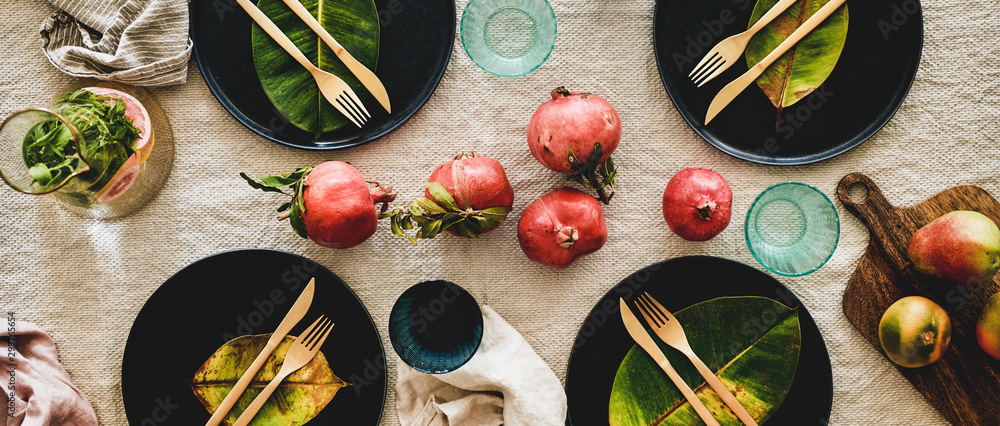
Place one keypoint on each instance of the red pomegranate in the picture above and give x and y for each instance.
(340, 206)
(572, 120)
(475, 182)
(562, 226)
(697, 204)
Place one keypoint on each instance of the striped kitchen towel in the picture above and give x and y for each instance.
(137, 42)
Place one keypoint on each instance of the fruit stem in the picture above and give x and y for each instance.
(706, 209)
(604, 196)
(560, 92)
(382, 194)
(470, 212)
(463, 156)
(284, 215)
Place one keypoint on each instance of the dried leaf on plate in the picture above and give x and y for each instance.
(752, 343)
(299, 398)
(807, 64)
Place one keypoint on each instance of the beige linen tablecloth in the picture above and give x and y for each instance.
(84, 281)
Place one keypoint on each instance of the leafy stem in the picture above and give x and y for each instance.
(432, 216)
(294, 209)
(594, 174)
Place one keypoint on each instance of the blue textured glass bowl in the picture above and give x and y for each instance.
(792, 229)
(508, 37)
(435, 326)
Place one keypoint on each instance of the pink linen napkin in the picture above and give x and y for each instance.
(43, 392)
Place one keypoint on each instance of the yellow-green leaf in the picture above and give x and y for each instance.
(807, 64)
(291, 89)
(299, 398)
(752, 343)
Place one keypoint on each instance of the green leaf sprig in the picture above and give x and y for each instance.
(294, 209)
(432, 218)
(594, 174)
(48, 149)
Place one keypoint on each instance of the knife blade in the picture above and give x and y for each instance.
(734, 88)
(639, 334)
(294, 315)
(365, 75)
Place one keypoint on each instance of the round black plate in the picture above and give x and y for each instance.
(244, 292)
(603, 341)
(867, 86)
(414, 48)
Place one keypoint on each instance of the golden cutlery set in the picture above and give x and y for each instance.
(726, 52)
(670, 331)
(303, 349)
(333, 88)
(717, 60)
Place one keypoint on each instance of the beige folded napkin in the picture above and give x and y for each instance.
(44, 394)
(137, 42)
(505, 382)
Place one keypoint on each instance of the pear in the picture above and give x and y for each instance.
(962, 246)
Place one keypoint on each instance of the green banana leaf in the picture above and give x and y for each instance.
(752, 343)
(805, 66)
(299, 398)
(292, 90)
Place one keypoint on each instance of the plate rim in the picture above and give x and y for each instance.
(603, 296)
(385, 391)
(335, 146)
(867, 133)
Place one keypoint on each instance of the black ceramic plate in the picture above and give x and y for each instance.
(244, 292)
(867, 86)
(603, 341)
(414, 47)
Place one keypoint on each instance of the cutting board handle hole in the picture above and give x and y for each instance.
(858, 192)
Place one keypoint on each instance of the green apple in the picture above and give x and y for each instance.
(962, 246)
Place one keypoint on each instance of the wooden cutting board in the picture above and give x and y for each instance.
(965, 384)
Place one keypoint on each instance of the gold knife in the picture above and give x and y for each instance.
(733, 89)
(293, 316)
(365, 75)
(638, 333)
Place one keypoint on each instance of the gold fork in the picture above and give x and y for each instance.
(335, 90)
(671, 332)
(728, 51)
(299, 354)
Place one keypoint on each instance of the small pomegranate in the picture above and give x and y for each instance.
(562, 226)
(476, 183)
(697, 204)
(573, 130)
(467, 196)
(339, 206)
(331, 204)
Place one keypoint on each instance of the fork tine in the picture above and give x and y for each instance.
(313, 325)
(710, 55)
(316, 341)
(660, 320)
(701, 78)
(708, 67)
(336, 104)
(662, 310)
(718, 71)
(709, 70)
(645, 314)
(350, 104)
(358, 104)
(346, 106)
